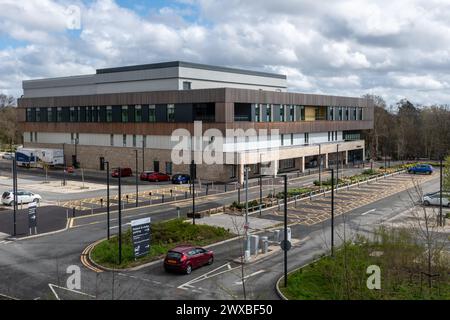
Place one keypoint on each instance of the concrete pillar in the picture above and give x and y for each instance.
(346, 157)
(303, 164)
(326, 161)
(241, 176)
(274, 163)
(363, 154)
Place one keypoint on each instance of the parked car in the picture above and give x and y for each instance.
(8, 156)
(186, 258)
(180, 178)
(158, 176)
(144, 175)
(421, 168)
(434, 199)
(124, 172)
(22, 197)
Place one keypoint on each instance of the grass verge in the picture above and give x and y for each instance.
(165, 235)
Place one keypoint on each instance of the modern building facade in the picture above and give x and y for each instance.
(120, 112)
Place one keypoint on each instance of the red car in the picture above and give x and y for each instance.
(186, 258)
(124, 172)
(144, 175)
(158, 176)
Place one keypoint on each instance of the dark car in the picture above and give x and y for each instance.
(124, 172)
(180, 178)
(144, 175)
(158, 176)
(186, 258)
(421, 168)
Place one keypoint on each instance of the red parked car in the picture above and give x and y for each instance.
(158, 176)
(185, 258)
(144, 175)
(124, 172)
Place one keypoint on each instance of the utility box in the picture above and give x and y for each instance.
(288, 234)
(254, 244)
(276, 235)
(264, 244)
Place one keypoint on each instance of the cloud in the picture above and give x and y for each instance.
(348, 47)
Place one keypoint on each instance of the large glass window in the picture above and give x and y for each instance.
(257, 113)
(88, 114)
(38, 114)
(72, 114)
(59, 114)
(138, 113)
(291, 113)
(360, 114)
(282, 115)
(124, 140)
(29, 114)
(269, 113)
(134, 140)
(49, 115)
(111, 140)
(152, 113)
(124, 113)
(306, 138)
(109, 114)
(171, 113)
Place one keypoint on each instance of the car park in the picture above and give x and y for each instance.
(421, 168)
(23, 197)
(158, 176)
(180, 178)
(124, 172)
(434, 199)
(185, 258)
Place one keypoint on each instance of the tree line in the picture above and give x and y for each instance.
(408, 132)
(9, 131)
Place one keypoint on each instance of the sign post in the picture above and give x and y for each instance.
(141, 236)
(32, 217)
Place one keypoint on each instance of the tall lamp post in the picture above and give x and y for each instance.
(65, 167)
(247, 239)
(15, 194)
(337, 166)
(107, 197)
(332, 212)
(137, 182)
(441, 222)
(320, 167)
(120, 216)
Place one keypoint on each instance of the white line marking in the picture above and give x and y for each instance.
(123, 225)
(7, 297)
(250, 275)
(372, 210)
(52, 286)
(208, 275)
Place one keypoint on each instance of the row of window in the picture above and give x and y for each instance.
(290, 113)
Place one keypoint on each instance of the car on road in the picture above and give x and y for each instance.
(180, 178)
(124, 172)
(434, 199)
(8, 156)
(158, 176)
(185, 258)
(22, 197)
(421, 168)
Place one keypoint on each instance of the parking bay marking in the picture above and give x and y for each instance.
(371, 210)
(250, 275)
(208, 275)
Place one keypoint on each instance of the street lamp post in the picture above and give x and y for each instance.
(193, 173)
(15, 194)
(337, 166)
(65, 167)
(143, 154)
(441, 222)
(285, 232)
(320, 168)
(332, 212)
(120, 216)
(107, 197)
(137, 182)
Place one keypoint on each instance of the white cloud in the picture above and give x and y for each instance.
(348, 47)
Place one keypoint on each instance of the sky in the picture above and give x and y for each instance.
(393, 48)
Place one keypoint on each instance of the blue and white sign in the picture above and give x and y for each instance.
(141, 236)
(32, 216)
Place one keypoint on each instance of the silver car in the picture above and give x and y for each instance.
(8, 156)
(433, 199)
(23, 197)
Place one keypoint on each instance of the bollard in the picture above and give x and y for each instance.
(207, 187)
(92, 208)
(101, 202)
(225, 187)
(310, 195)
(178, 212)
(264, 244)
(276, 235)
(295, 199)
(185, 194)
(239, 195)
(73, 212)
(162, 198)
(127, 198)
(171, 193)
(254, 244)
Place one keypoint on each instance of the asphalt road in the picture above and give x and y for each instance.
(27, 267)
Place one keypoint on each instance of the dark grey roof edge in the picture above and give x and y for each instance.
(172, 64)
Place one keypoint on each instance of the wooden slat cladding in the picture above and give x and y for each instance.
(168, 128)
(153, 97)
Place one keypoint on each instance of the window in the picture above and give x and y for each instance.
(72, 114)
(124, 140)
(282, 139)
(124, 113)
(340, 114)
(171, 113)
(186, 85)
(28, 114)
(169, 167)
(257, 113)
(269, 113)
(306, 138)
(38, 114)
(59, 114)
(111, 140)
(134, 140)
(233, 171)
(329, 136)
(291, 113)
(360, 114)
(292, 139)
(144, 141)
(31, 136)
(335, 135)
(35, 137)
(282, 118)
(151, 113)
(49, 115)
(138, 113)
(287, 164)
(109, 114)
